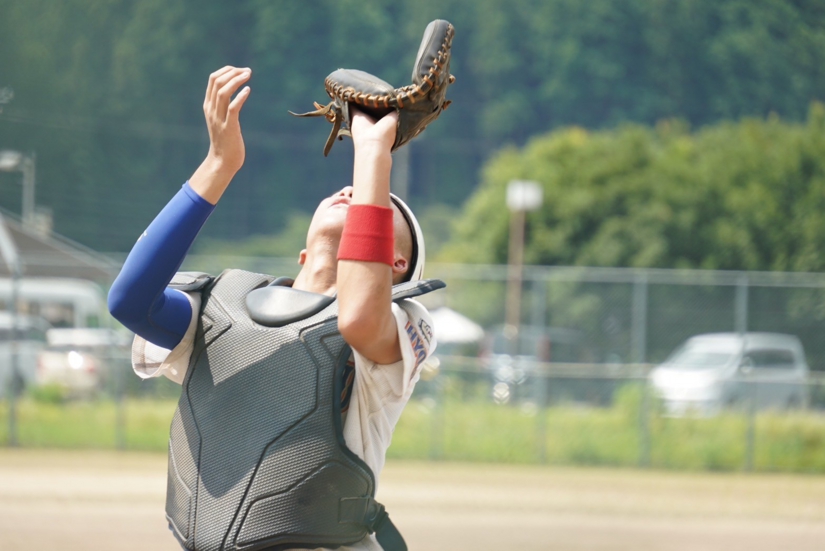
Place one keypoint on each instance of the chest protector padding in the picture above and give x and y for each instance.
(257, 458)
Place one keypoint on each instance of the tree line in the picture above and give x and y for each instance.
(747, 195)
(108, 94)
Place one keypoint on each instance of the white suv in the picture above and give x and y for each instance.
(709, 372)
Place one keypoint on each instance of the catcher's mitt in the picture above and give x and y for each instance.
(418, 104)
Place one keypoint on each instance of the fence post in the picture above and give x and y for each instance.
(741, 305)
(437, 426)
(542, 381)
(538, 314)
(11, 258)
(750, 436)
(538, 317)
(638, 319)
(120, 406)
(119, 383)
(639, 356)
(644, 425)
(741, 327)
(14, 385)
(12, 389)
(16, 377)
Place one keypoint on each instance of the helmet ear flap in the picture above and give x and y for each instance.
(415, 271)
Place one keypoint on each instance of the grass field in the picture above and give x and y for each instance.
(113, 501)
(483, 432)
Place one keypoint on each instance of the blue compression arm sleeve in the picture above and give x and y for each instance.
(139, 297)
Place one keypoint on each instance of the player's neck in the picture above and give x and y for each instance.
(320, 269)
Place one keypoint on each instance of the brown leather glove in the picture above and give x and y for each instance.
(418, 104)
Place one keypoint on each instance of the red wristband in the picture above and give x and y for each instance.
(368, 235)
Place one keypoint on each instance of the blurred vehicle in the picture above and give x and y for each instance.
(709, 372)
(31, 339)
(63, 302)
(513, 360)
(78, 360)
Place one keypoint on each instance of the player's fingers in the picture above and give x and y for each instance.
(356, 113)
(226, 91)
(390, 119)
(220, 82)
(387, 126)
(360, 121)
(237, 103)
(210, 87)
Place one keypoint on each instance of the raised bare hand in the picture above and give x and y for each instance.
(226, 146)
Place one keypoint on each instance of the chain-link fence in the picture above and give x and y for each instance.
(586, 414)
(607, 366)
(640, 316)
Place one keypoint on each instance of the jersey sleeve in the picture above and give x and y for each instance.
(415, 335)
(151, 360)
(380, 392)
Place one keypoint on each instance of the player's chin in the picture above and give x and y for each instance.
(331, 222)
(335, 215)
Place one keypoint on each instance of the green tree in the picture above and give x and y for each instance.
(108, 92)
(747, 195)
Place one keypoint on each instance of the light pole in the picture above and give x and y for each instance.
(15, 161)
(522, 196)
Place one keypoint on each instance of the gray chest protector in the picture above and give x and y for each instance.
(257, 458)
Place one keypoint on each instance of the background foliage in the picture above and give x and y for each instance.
(747, 195)
(108, 94)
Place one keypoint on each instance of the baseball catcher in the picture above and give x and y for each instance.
(418, 104)
(290, 389)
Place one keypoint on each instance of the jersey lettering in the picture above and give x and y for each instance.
(426, 330)
(419, 350)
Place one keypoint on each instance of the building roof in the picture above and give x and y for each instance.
(52, 255)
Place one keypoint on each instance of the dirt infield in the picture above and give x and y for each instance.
(90, 501)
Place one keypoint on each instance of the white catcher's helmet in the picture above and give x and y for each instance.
(416, 269)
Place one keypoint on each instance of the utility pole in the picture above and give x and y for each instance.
(522, 196)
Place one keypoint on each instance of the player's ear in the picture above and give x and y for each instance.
(399, 264)
(302, 257)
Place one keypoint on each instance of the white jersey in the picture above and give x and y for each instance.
(379, 392)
